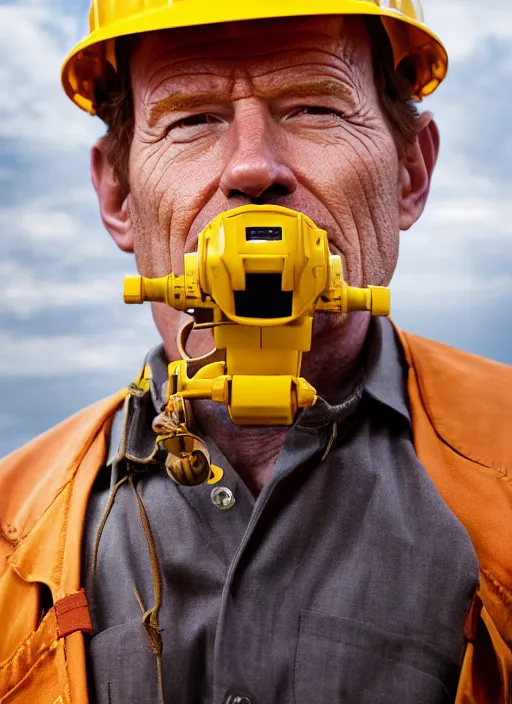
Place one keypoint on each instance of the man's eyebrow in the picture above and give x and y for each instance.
(183, 101)
(326, 87)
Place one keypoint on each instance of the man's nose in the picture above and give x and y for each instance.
(255, 169)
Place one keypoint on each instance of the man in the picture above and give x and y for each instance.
(362, 555)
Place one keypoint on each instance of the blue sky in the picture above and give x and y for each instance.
(67, 339)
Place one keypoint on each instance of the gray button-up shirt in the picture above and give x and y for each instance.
(346, 580)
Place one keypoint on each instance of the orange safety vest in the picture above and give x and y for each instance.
(461, 408)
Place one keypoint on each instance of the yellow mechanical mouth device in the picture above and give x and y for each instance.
(259, 274)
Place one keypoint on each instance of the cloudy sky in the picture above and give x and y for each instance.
(67, 339)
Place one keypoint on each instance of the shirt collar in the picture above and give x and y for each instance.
(141, 410)
(156, 360)
(382, 378)
(386, 371)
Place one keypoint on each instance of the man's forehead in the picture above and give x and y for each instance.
(332, 32)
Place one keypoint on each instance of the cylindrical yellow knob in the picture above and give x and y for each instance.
(139, 288)
(375, 299)
(381, 300)
(133, 291)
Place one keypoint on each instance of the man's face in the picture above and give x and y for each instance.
(277, 111)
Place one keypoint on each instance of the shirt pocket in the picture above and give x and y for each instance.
(122, 665)
(341, 660)
(37, 671)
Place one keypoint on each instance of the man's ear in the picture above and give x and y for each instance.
(112, 201)
(416, 170)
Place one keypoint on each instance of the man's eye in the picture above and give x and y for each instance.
(193, 121)
(316, 110)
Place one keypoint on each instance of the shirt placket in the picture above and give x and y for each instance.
(302, 444)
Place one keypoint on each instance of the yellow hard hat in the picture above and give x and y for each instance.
(403, 21)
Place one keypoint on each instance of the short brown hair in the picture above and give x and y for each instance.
(114, 101)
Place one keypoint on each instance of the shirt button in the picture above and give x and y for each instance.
(223, 498)
(237, 699)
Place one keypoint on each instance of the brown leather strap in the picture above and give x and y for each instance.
(472, 618)
(72, 614)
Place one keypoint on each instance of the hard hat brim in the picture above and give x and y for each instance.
(91, 51)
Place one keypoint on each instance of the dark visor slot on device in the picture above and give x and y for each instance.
(267, 234)
(263, 297)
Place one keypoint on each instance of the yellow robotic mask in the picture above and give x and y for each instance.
(259, 274)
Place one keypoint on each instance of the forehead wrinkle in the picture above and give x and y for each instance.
(224, 39)
(235, 71)
(314, 72)
(257, 46)
(342, 46)
(288, 58)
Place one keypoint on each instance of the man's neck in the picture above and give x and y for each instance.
(334, 360)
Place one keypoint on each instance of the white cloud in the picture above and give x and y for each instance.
(25, 294)
(440, 270)
(33, 109)
(443, 269)
(67, 354)
(64, 226)
(463, 25)
(429, 292)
